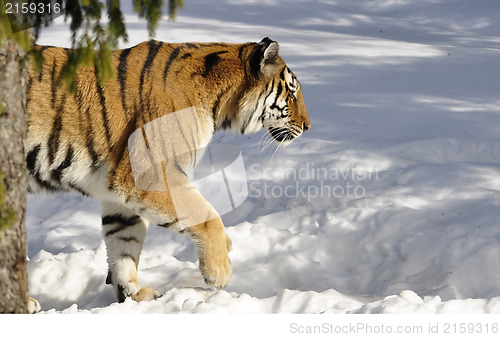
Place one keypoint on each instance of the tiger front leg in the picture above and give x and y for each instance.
(213, 247)
(124, 233)
(198, 219)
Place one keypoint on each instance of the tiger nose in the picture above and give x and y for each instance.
(306, 126)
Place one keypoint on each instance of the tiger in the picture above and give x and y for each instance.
(79, 140)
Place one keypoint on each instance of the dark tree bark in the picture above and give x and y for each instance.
(13, 274)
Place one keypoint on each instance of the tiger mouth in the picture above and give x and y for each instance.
(283, 135)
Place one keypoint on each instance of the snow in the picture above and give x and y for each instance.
(389, 204)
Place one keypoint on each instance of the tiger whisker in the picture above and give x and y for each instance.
(277, 147)
(283, 132)
(261, 138)
(272, 140)
(268, 141)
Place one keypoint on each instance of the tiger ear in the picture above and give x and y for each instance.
(265, 58)
(269, 49)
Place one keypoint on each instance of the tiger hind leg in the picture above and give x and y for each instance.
(124, 233)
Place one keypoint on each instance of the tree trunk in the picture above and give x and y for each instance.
(13, 274)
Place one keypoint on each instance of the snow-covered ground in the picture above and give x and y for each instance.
(389, 204)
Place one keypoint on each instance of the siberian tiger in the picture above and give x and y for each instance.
(80, 141)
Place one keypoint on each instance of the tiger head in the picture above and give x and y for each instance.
(275, 101)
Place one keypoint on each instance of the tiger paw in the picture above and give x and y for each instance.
(215, 265)
(146, 294)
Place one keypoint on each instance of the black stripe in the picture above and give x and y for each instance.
(153, 51)
(119, 218)
(282, 73)
(240, 51)
(216, 108)
(168, 224)
(43, 48)
(40, 75)
(85, 118)
(226, 124)
(90, 142)
(122, 75)
(30, 82)
(270, 91)
(28, 88)
(53, 143)
(211, 60)
(109, 277)
(275, 106)
(185, 56)
(57, 173)
(104, 110)
(45, 184)
(120, 149)
(262, 115)
(120, 293)
(278, 92)
(128, 239)
(120, 221)
(31, 157)
(53, 87)
(245, 125)
(78, 189)
(173, 56)
(240, 56)
(90, 148)
(146, 108)
(154, 48)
